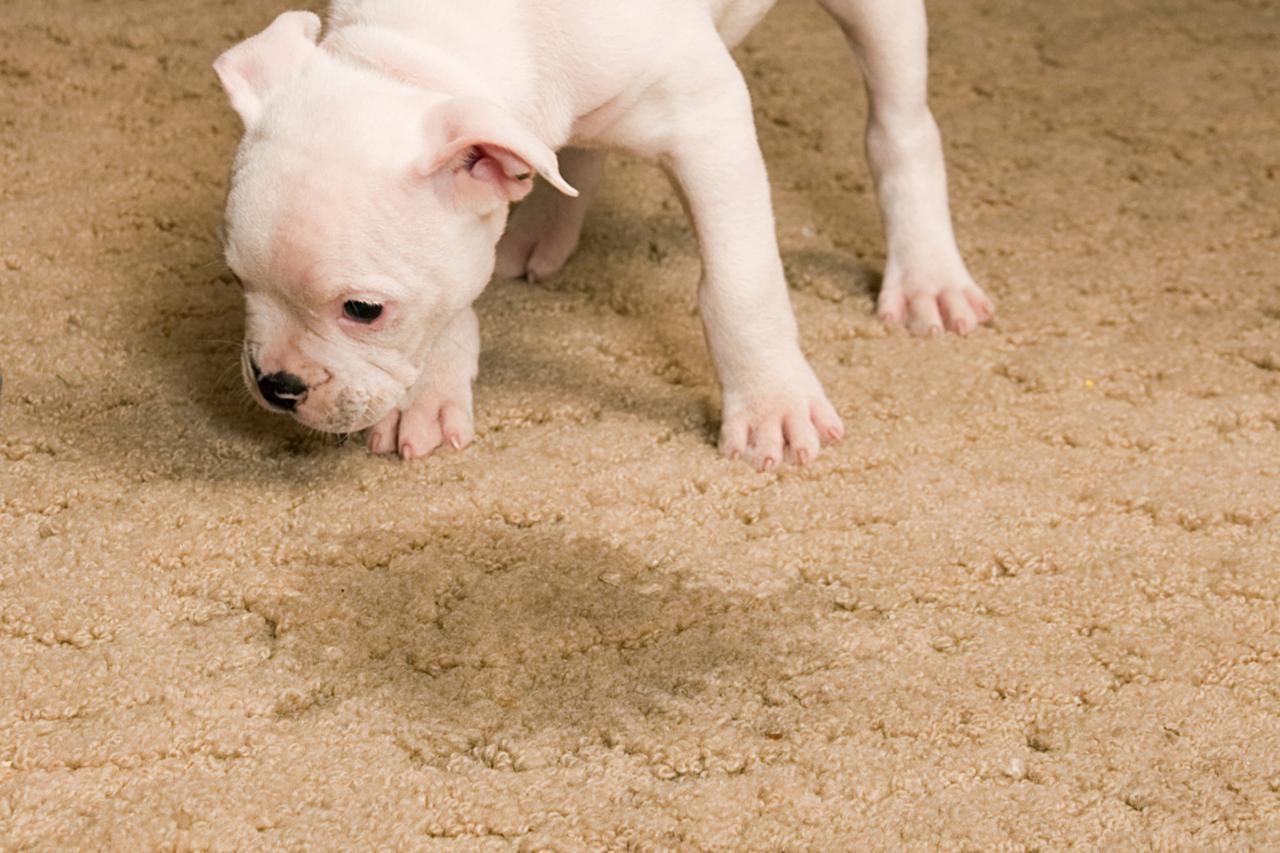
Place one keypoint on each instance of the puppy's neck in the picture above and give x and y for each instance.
(401, 58)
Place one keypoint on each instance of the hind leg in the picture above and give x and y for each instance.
(926, 284)
(544, 229)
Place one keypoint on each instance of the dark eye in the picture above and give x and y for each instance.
(361, 312)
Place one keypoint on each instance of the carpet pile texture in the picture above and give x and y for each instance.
(1030, 602)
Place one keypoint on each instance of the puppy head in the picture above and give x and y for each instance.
(362, 215)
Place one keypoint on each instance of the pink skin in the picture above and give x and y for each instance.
(439, 410)
(422, 429)
(956, 309)
(796, 440)
(488, 126)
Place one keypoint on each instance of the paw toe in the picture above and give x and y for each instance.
(780, 429)
(420, 433)
(456, 425)
(766, 444)
(980, 304)
(892, 307)
(956, 312)
(382, 435)
(547, 259)
(829, 425)
(926, 319)
(733, 437)
(930, 305)
(803, 441)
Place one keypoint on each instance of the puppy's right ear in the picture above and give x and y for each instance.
(251, 70)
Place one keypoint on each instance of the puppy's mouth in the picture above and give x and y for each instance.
(336, 421)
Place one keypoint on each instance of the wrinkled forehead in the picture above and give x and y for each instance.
(285, 224)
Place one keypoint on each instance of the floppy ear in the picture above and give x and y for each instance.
(256, 66)
(486, 156)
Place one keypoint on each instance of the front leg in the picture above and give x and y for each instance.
(926, 284)
(437, 411)
(774, 405)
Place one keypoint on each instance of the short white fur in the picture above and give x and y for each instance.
(379, 164)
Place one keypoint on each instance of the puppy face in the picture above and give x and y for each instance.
(361, 217)
(351, 262)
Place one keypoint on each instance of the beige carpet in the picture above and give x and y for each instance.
(1031, 602)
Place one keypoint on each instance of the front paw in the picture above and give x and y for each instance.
(427, 425)
(782, 419)
(928, 301)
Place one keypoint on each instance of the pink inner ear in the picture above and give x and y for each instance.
(252, 69)
(487, 169)
(507, 172)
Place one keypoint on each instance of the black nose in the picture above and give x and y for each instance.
(280, 390)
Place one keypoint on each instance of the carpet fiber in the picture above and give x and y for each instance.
(1031, 601)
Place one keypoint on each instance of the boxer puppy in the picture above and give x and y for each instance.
(370, 193)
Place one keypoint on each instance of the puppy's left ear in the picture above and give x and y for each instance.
(485, 155)
(251, 70)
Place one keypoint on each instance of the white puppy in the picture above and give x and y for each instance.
(370, 194)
